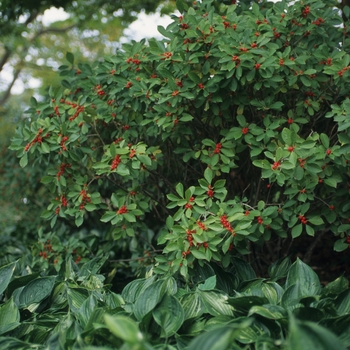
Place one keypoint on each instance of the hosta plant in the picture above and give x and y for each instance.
(73, 307)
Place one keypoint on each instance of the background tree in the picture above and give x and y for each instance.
(29, 49)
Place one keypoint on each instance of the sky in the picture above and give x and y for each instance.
(144, 27)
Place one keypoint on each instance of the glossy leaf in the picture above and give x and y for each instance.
(169, 314)
(6, 273)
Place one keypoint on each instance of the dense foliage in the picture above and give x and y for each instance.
(223, 143)
(73, 307)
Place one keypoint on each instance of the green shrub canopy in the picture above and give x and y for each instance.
(232, 130)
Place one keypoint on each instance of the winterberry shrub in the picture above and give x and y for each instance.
(232, 131)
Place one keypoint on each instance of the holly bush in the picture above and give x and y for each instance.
(231, 134)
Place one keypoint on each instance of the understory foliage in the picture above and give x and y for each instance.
(73, 307)
(229, 138)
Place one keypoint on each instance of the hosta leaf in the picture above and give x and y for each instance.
(192, 305)
(9, 316)
(169, 314)
(279, 268)
(243, 304)
(308, 314)
(36, 291)
(340, 326)
(86, 310)
(305, 276)
(273, 312)
(149, 298)
(6, 273)
(76, 298)
(219, 338)
(342, 303)
(124, 328)
(215, 303)
(308, 335)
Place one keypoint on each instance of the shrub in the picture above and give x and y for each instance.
(232, 131)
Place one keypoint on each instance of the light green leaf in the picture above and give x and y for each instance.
(24, 160)
(209, 283)
(124, 328)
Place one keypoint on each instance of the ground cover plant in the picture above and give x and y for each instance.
(178, 162)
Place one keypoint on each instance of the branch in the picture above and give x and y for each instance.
(7, 93)
(7, 54)
(5, 58)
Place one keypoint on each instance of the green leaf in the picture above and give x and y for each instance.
(209, 283)
(70, 57)
(199, 254)
(108, 216)
(243, 269)
(340, 326)
(76, 298)
(6, 273)
(340, 245)
(169, 314)
(219, 338)
(308, 335)
(149, 298)
(181, 6)
(36, 291)
(192, 305)
(215, 303)
(273, 312)
(342, 303)
(9, 316)
(330, 182)
(24, 160)
(296, 230)
(280, 268)
(305, 276)
(316, 220)
(180, 189)
(208, 175)
(124, 328)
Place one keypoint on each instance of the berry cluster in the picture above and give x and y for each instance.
(302, 219)
(38, 139)
(189, 234)
(84, 199)
(210, 191)
(276, 165)
(306, 11)
(63, 143)
(132, 153)
(302, 162)
(226, 224)
(245, 131)
(166, 55)
(217, 148)
(122, 210)
(63, 167)
(260, 220)
(116, 162)
(201, 225)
